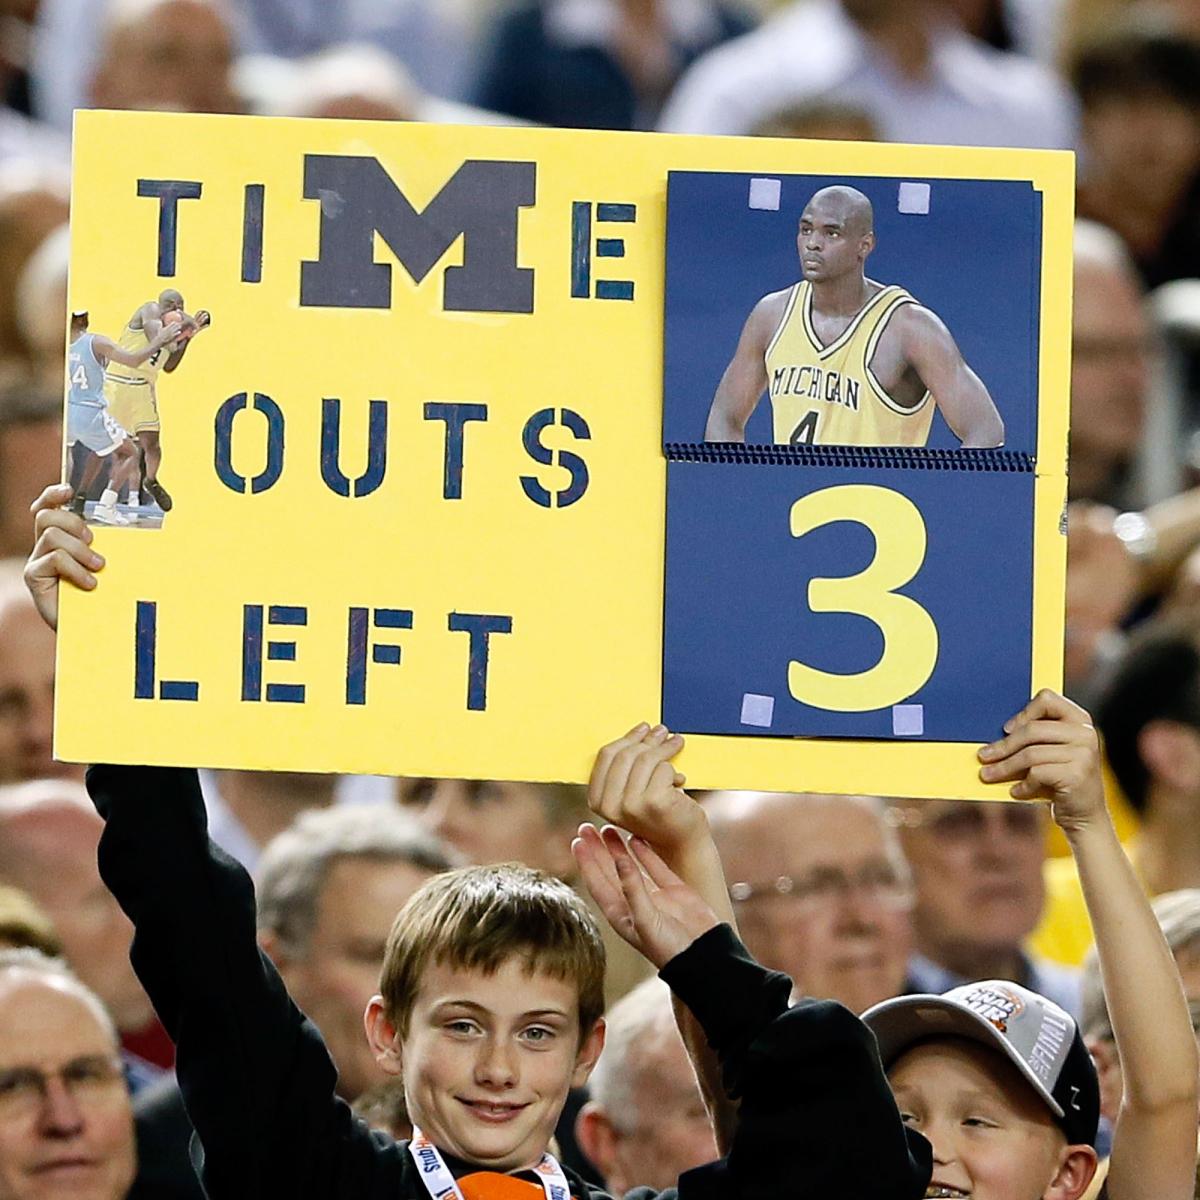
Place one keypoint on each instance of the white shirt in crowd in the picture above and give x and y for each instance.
(812, 52)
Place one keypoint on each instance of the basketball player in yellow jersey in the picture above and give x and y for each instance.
(848, 361)
(131, 391)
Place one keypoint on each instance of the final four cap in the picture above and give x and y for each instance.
(1040, 1039)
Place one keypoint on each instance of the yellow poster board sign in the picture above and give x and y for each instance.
(417, 464)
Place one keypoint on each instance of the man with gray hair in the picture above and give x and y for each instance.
(820, 888)
(645, 1122)
(66, 1128)
(328, 889)
(979, 891)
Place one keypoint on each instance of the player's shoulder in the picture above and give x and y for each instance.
(913, 317)
(773, 305)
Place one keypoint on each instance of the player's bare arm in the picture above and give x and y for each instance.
(148, 319)
(745, 378)
(634, 785)
(964, 402)
(106, 350)
(1051, 751)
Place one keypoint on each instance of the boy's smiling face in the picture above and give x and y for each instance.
(487, 1060)
(993, 1138)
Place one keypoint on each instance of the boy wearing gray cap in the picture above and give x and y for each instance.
(996, 1077)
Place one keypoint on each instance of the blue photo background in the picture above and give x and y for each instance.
(736, 609)
(974, 259)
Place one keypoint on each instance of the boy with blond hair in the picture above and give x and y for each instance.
(994, 1076)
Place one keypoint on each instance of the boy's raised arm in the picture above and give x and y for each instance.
(1051, 752)
(811, 1087)
(634, 784)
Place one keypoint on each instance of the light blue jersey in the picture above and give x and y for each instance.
(86, 375)
(88, 420)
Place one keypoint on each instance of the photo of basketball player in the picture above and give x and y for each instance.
(847, 360)
(131, 391)
(91, 428)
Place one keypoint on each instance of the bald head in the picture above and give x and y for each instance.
(1109, 365)
(49, 835)
(820, 889)
(835, 237)
(53, 1030)
(169, 55)
(24, 968)
(169, 299)
(847, 205)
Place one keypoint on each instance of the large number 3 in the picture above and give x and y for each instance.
(910, 639)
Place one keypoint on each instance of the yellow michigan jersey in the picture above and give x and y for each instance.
(129, 391)
(828, 395)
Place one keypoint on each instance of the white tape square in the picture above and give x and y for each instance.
(758, 710)
(908, 720)
(914, 199)
(764, 194)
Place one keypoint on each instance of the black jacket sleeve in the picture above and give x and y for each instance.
(816, 1115)
(255, 1075)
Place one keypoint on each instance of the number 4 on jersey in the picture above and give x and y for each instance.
(805, 434)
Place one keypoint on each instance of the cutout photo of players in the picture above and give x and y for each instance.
(113, 427)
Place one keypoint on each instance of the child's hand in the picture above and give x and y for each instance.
(1053, 754)
(634, 785)
(659, 916)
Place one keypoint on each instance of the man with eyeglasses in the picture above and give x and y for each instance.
(66, 1126)
(820, 889)
(977, 872)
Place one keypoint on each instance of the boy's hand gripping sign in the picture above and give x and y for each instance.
(443, 451)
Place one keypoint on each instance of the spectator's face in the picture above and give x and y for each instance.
(49, 850)
(978, 875)
(1110, 348)
(992, 1138)
(843, 931)
(491, 822)
(1144, 149)
(670, 1131)
(339, 972)
(176, 57)
(75, 1141)
(27, 695)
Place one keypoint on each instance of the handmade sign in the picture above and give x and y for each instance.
(447, 451)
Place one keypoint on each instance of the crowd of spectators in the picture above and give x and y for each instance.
(857, 898)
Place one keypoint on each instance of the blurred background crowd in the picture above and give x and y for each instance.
(858, 898)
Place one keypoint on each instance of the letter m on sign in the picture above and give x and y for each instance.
(480, 203)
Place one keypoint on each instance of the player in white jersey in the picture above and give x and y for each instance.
(848, 361)
(90, 425)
